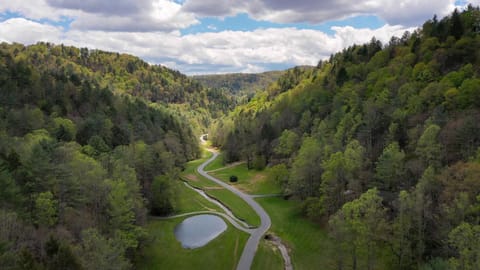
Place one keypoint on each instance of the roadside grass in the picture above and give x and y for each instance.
(216, 164)
(308, 243)
(190, 201)
(268, 257)
(250, 181)
(238, 206)
(164, 252)
(191, 167)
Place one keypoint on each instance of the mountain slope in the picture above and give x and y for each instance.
(380, 138)
(85, 153)
(238, 83)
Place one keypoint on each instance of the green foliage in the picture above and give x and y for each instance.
(83, 134)
(163, 195)
(464, 239)
(239, 83)
(390, 168)
(359, 228)
(397, 117)
(428, 148)
(64, 129)
(288, 143)
(304, 180)
(10, 192)
(45, 209)
(279, 175)
(96, 251)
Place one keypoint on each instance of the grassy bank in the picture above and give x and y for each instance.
(216, 164)
(268, 257)
(249, 181)
(238, 206)
(165, 252)
(309, 244)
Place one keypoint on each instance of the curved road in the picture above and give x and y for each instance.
(256, 234)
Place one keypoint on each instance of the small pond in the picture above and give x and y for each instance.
(198, 230)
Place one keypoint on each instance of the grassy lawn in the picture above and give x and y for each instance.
(310, 247)
(165, 252)
(190, 201)
(250, 181)
(238, 206)
(268, 257)
(191, 167)
(216, 164)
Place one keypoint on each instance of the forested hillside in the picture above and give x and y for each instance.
(239, 83)
(381, 143)
(84, 135)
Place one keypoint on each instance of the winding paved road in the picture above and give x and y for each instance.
(256, 234)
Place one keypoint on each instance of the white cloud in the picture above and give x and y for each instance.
(35, 9)
(28, 32)
(404, 12)
(150, 29)
(226, 51)
(121, 15)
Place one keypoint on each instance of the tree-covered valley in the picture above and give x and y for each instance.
(381, 145)
(90, 144)
(378, 146)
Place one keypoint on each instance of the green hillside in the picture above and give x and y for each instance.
(381, 144)
(89, 144)
(239, 83)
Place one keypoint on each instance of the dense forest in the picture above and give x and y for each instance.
(90, 142)
(381, 143)
(239, 84)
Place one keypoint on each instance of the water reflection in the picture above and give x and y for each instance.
(197, 231)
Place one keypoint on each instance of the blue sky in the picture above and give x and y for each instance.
(212, 36)
(242, 22)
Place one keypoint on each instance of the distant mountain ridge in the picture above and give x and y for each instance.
(239, 82)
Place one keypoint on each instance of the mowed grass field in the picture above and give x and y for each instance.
(163, 251)
(268, 257)
(249, 181)
(238, 206)
(216, 164)
(309, 244)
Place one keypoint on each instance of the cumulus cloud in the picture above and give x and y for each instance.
(35, 9)
(119, 7)
(405, 12)
(28, 32)
(121, 15)
(151, 29)
(162, 15)
(226, 51)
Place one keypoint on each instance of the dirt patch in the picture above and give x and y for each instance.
(255, 180)
(283, 249)
(192, 177)
(258, 178)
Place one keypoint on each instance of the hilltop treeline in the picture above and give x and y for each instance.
(84, 136)
(381, 143)
(240, 84)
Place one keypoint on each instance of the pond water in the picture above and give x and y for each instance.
(198, 230)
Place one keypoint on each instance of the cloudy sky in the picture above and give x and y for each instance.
(217, 36)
